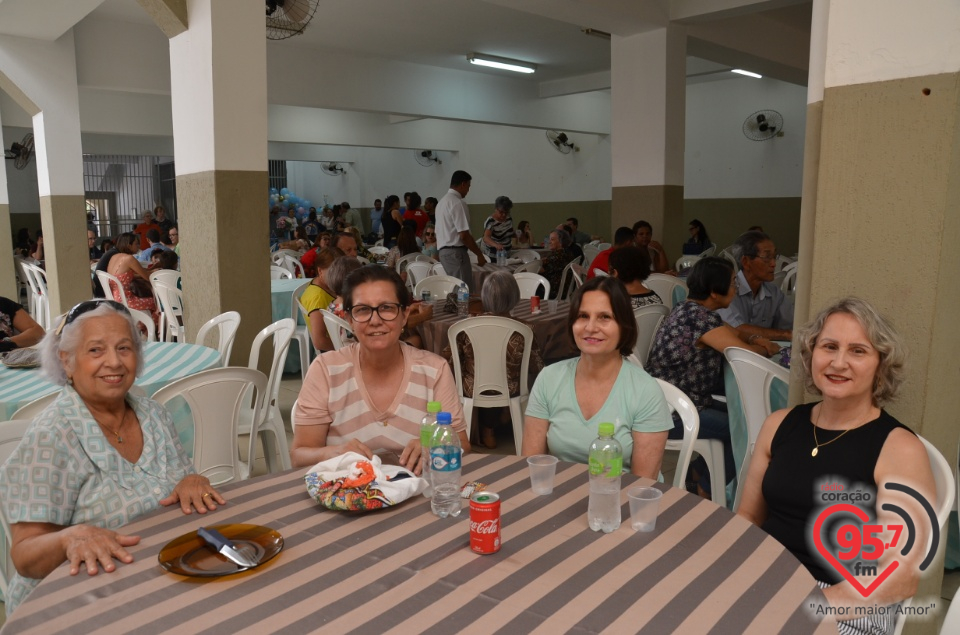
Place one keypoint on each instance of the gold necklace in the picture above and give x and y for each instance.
(816, 450)
(119, 428)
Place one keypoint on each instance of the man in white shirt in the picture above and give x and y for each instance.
(453, 230)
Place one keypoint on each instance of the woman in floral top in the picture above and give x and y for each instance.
(688, 353)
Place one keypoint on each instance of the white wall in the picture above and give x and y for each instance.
(720, 162)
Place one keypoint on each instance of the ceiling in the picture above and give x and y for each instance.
(442, 32)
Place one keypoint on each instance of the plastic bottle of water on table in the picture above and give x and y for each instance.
(445, 455)
(428, 425)
(502, 257)
(605, 466)
(463, 300)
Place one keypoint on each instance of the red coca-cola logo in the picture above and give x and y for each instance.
(485, 527)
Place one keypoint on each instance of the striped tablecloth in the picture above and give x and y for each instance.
(404, 570)
(164, 362)
(550, 329)
(480, 273)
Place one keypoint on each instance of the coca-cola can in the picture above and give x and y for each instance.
(534, 303)
(485, 522)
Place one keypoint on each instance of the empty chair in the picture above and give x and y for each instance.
(489, 336)
(301, 332)
(403, 261)
(426, 258)
(268, 423)
(10, 434)
(789, 284)
(291, 264)
(143, 319)
(336, 326)
(530, 282)
(686, 262)
(171, 306)
(533, 266)
(438, 286)
(438, 270)
(35, 407)
(589, 253)
(379, 249)
(40, 305)
(664, 286)
(648, 320)
(526, 255)
(417, 271)
(279, 273)
(219, 399)
(226, 325)
(166, 276)
(754, 374)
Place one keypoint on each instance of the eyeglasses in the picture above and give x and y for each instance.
(767, 258)
(429, 234)
(86, 307)
(387, 311)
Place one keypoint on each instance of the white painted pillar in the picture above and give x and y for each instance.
(648, 77)
(219, 99)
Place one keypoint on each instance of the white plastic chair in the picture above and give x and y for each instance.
(417, 271)
(789, 284)
(166, 276)
(589, 253)
(301, 332)
(23, 287)
(171, 305)
(279, 273)
(379, 249)
(473, 257)
(709, 251)
(268, 419)
(363, 261)
(142, 318)
(489, 336)
(533, 266)
(681, 404)
(404, 261)
(40, 305)
(664, 285)
(438, 286)
(603, 246)
(226, 325)
(728, 254)
(35, 407)
(570, 280)
(109, 282)
(426, 258)
(600, 273)
(529, 283)
(648, 320)
(334, 324)
(754, 374)
(291, 264)
(526, 255)
(438, 270)
(686, 262)
(218, 399)
(10, 434)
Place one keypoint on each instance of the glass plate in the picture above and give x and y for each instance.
(191, 555)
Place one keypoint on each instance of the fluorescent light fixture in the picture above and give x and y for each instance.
(503, 63)
(740, 71)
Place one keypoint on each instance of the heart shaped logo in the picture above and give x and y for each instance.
(832, 559)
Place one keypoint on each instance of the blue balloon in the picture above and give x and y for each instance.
(285, 191)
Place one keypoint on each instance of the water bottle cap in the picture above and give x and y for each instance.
(444, 418)
(606, 429)
(434, 406)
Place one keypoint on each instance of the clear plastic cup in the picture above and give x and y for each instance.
(553, 305)
(644, 506)
(543, 468)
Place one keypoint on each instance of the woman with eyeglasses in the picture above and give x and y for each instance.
(96, 458)
(688, 352)
(370, 396)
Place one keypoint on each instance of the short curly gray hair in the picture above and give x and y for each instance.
(66, 340)
(883, 337)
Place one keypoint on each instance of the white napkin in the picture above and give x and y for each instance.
(514, 261)
(345, 465)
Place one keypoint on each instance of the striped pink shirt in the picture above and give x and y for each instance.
(332, 395)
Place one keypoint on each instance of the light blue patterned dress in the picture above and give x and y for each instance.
(65, 472)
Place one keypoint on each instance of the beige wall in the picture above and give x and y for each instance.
(727, 218)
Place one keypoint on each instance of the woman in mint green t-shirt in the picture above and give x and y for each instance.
(571, 398)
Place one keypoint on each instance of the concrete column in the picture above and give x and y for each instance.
(648, 77)
(42, 77)
(8, 283)
(885, 219)
(220, 141)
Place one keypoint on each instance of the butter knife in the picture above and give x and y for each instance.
(225, 547)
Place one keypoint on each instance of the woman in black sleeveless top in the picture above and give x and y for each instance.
(390, 220)
(817, 455)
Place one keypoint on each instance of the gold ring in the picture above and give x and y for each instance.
(207, 494)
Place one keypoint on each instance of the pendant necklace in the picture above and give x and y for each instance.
(819, 445)
(119, 428)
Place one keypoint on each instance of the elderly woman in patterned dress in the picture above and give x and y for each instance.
(96, 458)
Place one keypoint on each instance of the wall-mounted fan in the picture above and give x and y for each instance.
(333, 169)
(426, 158)
(286, 18)
(763, 125)
(20, 152)
(561, 142)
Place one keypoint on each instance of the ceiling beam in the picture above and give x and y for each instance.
(698, 11)
(574, 85)
(170, 16)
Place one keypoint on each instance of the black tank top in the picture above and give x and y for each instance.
(792, 485)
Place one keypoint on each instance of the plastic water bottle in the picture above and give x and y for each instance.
(502, 257)
(463, 300)
(445, 454)
(606, 465)
(428, 426)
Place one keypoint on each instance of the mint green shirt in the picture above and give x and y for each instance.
(635, 404)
